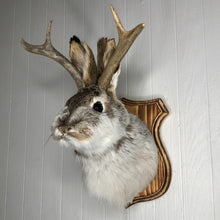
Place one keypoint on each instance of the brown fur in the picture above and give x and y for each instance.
(82, 135)
(83, 59)
(101, 45)
(105, 49)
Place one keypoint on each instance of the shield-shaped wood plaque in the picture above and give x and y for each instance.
(152, 112)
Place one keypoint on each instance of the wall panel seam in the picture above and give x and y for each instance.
(178, 106)
(44, 126)
(10, 107)
(208, 106)
(26, 115)
(62, 149)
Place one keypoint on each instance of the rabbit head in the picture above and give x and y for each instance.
(94, 116)
(92, 121)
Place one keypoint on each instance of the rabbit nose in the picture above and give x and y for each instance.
(64, 128)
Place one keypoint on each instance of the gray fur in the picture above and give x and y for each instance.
(117, 152)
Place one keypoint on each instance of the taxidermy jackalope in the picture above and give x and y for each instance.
(118, 155)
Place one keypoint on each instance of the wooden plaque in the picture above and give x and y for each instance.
(152, 112)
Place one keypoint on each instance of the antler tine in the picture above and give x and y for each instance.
(126, 39)
(48, 50)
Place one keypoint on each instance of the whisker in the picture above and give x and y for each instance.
(46, 142)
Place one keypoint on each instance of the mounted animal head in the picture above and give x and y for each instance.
(90, 113)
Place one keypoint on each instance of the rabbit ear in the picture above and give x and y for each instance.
(83, 59)
(105, 49)
(114, 81)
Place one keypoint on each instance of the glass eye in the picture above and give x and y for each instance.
(98, 107)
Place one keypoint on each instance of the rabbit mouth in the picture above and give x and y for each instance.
(67, 133)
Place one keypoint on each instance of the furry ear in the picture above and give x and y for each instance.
(105, 49)
(83, 59)
(113, 83)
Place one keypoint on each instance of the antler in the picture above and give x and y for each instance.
(48, 50)
(126, 39)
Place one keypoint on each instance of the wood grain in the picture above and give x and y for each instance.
(152, 112)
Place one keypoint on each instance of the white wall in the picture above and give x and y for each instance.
(176, 58)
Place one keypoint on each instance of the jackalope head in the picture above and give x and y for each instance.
(116, 148)
(96, 82)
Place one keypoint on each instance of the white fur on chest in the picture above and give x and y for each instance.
(119, 176)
